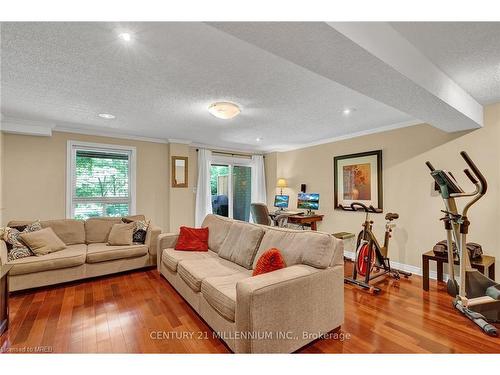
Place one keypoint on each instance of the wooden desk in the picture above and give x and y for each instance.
(309, 220)
(483, 264)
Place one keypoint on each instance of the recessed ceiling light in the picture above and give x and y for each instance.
(224, 110)
(348, 111)
(127, 37)
(259, 139)
(107, 116)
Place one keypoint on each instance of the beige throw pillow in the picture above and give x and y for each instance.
(42, 242)
(121, 234)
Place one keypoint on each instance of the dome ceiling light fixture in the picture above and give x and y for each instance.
(224, 110)
(127, 37)
(348, 111)
(106, 116)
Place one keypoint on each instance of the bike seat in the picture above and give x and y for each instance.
(391, 216)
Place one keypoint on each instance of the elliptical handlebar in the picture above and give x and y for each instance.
(471, 176)
(477, 175)
(363, 207)
(430, 166)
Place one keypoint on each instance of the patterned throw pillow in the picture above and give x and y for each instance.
(140, 230)
(11, 236)
(18, 253)
(15, 246)
(34, 226)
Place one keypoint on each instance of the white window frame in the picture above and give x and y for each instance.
(230, 162)
(73, 146)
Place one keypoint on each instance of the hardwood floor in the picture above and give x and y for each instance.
(120, 313)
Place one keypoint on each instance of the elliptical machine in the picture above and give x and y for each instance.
(371, 259)
(476, 296)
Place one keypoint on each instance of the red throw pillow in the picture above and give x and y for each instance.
(270, 260)
(192, 239)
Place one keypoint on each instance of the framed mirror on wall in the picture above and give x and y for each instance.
(179, 171)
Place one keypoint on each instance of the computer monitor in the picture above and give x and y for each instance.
(308, 201)
(281, 201)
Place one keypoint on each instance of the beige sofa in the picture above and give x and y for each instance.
(86, 255)
(280, 311)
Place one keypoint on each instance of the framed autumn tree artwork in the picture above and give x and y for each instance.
(358, 178)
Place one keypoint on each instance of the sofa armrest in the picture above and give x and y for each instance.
(165, 241)
(3, 252)
(288, 307)
(151, 239)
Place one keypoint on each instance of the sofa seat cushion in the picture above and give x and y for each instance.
(220, 293)
(193, 272)
(102, 252)
(172, 257)
(71, 256)
(241, 243)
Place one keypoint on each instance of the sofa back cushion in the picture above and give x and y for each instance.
(241, 243)
(312, 248)
(218, 228)
(70, 231)
(19, 223)
(97, 228)
(130, 218)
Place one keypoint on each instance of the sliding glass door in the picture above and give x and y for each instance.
(219, 186)
(231, 188)
(242, 192)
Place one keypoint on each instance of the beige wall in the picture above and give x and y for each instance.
(270, 166)
(407, 183)
(182, 200)
(34, 178)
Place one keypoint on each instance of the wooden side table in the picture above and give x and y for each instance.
(4, 298)
(485, 264)
(309, 220)
(349, 242)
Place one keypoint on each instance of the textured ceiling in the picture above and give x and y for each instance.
(468, 52)
(370, 58)
(161, 85)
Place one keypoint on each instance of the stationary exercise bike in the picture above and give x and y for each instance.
(371, 259)
(476, 296)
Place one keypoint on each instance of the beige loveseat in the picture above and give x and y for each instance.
(86, 255)
(280, 311)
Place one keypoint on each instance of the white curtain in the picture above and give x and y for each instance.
(203, 193)
(258, 180)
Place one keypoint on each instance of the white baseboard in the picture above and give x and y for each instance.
(414, 270)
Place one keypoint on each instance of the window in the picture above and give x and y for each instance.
(101, 180)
